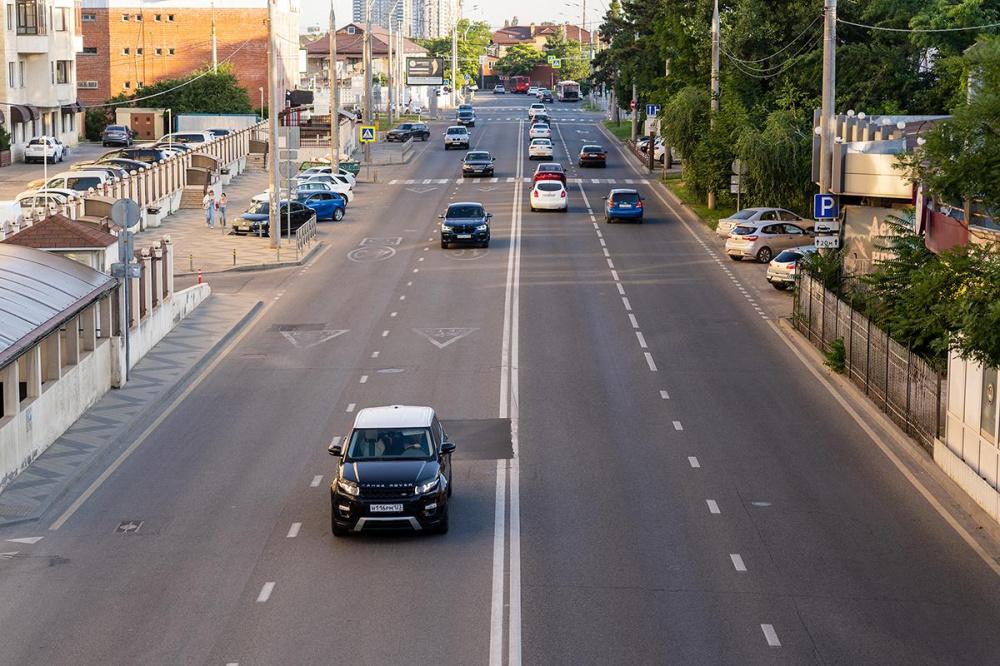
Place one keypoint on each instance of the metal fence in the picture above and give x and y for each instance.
(904, 386)
(304, 235)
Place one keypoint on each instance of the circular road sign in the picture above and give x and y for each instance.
(125, 213)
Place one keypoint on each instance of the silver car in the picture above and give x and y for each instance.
(760, 214)
(762, 240)
(783, 268)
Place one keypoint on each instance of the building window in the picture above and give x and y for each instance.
(30, 17)
(138, 51)
(138, 84)
(20, 73)
(64, 71)
(89, 50)
(159, 51)
(128, 84)
(171, 52)
(126, 51)
(158, 17)
(350, 31)
(170, 18)
(60, 19)
(88, 17)
(52, 71)
(11, 75)
(138, 17)
(125, 18)
(87, 85)
(10, 17)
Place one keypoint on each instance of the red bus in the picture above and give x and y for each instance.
(519, 84)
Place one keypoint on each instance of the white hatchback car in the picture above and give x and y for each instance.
(536, 107)
(549, 195)
(540, 149)
(44, 149)
(759, 214)
(540, 131)
(783, 268)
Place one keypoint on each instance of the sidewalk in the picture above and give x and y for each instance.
(197, 247)
(118, 417)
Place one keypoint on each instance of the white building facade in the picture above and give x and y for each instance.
(40, 40)
(399, 11)
(440, 16)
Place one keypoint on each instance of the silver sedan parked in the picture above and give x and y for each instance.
(783, 268)
(762, 240)
(760, 214)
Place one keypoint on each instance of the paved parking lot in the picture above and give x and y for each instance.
(14, 179)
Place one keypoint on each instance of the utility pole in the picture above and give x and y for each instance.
(274, 193)
(829, 92)
(367, 49)
(715, 81)
(215, 44)
(391, 78)
(334, 93)
(634, 104)
(454, 65)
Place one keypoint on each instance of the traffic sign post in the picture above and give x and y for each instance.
(631, 105)
(366, 133)
(556, 63)
(652, 110)
(826, 242)
(825, 207)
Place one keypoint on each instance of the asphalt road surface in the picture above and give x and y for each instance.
(678, 488)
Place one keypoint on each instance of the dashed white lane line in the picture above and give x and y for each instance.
(664, 395)
(385, 334)
(625, 302)
(363, 380)
(420, 259)
(416, 270)
(642, 340)
(403, 297)
(737, 562)
(606, 253)
(602, 242)
(350, 407)
(318, 479)
(713, 506)
(678, 426)
(693, 462)
(770, 635)
(393, 314)
(410, 283)
(375, 354)
(293, 531)
(632, 320)
(649, 362)
(426, 249)
(611, 264)
(621, 289)
(265, 592)
(614, 276)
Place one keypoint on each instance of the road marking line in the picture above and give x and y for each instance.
(606, 253)
(678, 426)
(649, 362)
(375, 354)
(385, 334)
(713, 506)
(421, 258)
(621, 289)
(416, 270)
(265, 592)
(693, 462)
(625, 301)
(737, 561)
(664, 395)
(393, 314)
(611, 264)
(363, 380)
(425, 250)
(599, 234)
(293, 531)
(614, 275)
(633, 320)
(642, 340)
(770, 635)
(393, 181)
(427, 181)
(318, 479)
(350, 407)
(601, 241)
(402, 298)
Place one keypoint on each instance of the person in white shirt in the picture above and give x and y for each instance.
(208, 203)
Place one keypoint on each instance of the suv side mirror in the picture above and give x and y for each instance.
(447, 447)
(489, 216)
(441, 216)
(335, 449)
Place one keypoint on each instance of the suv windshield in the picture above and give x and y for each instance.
(463, 211)
(457, 130)
(390, 444)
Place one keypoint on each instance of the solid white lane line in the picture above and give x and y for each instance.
(496, 610)
(664, 395)
(633, 320)
(350, 407)
(363, 380)
(642, 340)
(649, 362)
(713, 506)
(625, 302)
(737, 562)
(265, 592)
(678, 426)
(621, 289)
(375, 354)
(293, 531)
(693, 462)
(770, 635)
(318, 479)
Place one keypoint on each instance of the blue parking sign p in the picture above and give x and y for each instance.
(825, 207)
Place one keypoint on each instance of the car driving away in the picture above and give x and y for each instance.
(393, 472)
(540, 149)
(415, 131)
(465, 223)
(623, 204)
(478, 163)
(540, 131)
(549, 171)
(549, 195)
(499, 90)
(593, 155)
(456, 135)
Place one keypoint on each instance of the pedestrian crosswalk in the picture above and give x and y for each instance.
(501, 179)
(482, 118)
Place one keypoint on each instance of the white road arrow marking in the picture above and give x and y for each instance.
(442, 337)
(8, 556)
(420, 190)
(27, 540)
(307, 339)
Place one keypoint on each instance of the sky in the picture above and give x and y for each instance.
(492, 11)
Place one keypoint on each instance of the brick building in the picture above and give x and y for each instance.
(128, 44)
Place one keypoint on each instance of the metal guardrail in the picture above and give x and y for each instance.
(305, 235)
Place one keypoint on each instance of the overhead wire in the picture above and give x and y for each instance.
(918, 30)
(787, 46)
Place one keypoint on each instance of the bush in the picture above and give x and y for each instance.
(4, 138)
(95, 120)
(836, 357)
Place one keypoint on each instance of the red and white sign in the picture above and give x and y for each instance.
(631, 105)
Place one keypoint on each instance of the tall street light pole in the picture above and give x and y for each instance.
(454, 64)
(334, 93)
(367, 48)
(715, 81)
(829, 91)
(274, 193)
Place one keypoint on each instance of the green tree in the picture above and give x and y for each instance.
(473, 38)
(200, 92)
(573, 65)
(519, 59)
(778, 160)
(685, 121)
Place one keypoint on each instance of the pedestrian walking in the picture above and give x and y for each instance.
(208, 203)
(220, 205)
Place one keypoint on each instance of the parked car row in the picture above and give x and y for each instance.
(319, 192)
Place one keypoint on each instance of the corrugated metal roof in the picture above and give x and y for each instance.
(39, 291)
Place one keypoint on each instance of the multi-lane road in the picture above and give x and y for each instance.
(677, 487)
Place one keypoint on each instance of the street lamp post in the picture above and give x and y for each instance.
(334, 94)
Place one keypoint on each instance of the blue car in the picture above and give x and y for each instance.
(623, 204)
(328, 205)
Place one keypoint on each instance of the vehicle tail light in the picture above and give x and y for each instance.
(749, 238)
(535, 194)
(791, 268)
(638, 204)
(562, 194)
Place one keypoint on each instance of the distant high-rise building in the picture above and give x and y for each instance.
(440, 17)
(380, 14)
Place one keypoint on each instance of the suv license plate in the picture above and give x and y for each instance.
(386, 508)
(463, 236)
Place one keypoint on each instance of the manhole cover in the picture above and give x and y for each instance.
(369, 254)
(128, 527)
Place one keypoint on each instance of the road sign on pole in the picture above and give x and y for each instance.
(631, 105)
(825, 207)
(827, 242)
(556, 63)
(367, 133)
(652, 110)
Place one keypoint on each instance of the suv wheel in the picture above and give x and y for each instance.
(764, 255)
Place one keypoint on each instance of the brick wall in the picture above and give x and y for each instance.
(170, 48)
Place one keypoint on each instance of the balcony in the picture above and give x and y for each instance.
(31, 30)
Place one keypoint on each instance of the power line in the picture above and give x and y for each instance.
(884, 29)
(764, 74)
(788, 45)
(764, 70)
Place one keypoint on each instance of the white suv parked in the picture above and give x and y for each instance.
(456, 135)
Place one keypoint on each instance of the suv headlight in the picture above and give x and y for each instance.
(428, 486)
(482, 227)
(349, 487)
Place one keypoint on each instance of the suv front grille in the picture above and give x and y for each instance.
(382, 493)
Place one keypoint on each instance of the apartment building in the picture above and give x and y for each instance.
(128, 44)
(40, 42)
(382, 11)
(440, 16)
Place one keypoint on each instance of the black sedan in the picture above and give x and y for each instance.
(255, 220)
(593, 155)
(415, 131)
(467, 223)
(478, 163)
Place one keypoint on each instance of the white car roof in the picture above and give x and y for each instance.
(394, 416)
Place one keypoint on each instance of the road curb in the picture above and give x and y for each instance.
(258, 267)
(133, 429)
